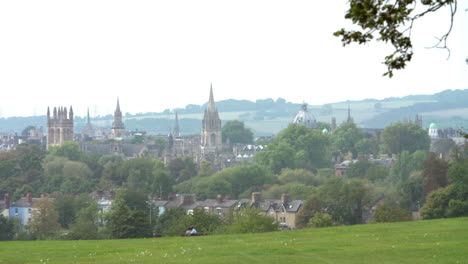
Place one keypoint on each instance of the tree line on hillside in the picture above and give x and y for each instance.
(298, 161)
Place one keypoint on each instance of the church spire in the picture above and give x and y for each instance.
(118, 105)
(177, 128)
(350, 119)
(211, 103)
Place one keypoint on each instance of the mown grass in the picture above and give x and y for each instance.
(435, 241)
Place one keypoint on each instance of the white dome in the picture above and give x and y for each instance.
(305, 118)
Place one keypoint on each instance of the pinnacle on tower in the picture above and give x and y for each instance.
(350, 119)
(211, 103)
(177, 128)
(118, 105)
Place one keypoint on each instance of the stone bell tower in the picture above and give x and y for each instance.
(59, 126)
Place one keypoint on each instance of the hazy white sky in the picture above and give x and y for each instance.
(164, 54)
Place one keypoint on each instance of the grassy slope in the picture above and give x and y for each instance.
(436, 241)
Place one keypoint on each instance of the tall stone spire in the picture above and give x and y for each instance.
(211, 134)
(211, 103)
(176, 128)
(88, 119)
(350, 119)
(118, 105)
(88, 130)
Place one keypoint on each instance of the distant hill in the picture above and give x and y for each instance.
(267, 116)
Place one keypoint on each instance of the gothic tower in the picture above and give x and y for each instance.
(118, 127)
(211, 134)
(59, 126)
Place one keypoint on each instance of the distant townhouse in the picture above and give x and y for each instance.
(284, 211)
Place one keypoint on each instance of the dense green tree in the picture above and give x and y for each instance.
(236, 132)
(162, 183)
(388, 213)
(44, 220)
(296, 147)
(70, 150)
(182, 169)
(128, 217)
(345, 201)
(251, 220)
(103, 160)
(401, 137)
(245, 178)
(391, 22)
(346, 136)
(278, 156)
(434, 173)
(164, 222)
(358, 169)
(366, 146)
(86, 225)
(209, 187)
(8, 228)
(68, 205)
(458, 173)
(205, 169)
(412, 191)
(321, 220)
(311, 206)
(299, 176)
(407, 163)
(376, 172)
(202, 221)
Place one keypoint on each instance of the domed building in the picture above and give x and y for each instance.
(305, 118)
(433, 131)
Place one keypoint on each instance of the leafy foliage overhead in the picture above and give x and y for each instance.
(392, 21)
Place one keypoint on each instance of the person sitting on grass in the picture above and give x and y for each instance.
(188, 232)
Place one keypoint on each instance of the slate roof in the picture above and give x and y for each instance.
(23, 202)
(291, 206)
(216, 203)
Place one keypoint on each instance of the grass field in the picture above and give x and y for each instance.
(435, 241)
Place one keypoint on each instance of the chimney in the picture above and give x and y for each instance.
(284, 198)
(7, 200)
(187, 199)
(29, 197)
(171, 197)
(219, 198)
(256, 197)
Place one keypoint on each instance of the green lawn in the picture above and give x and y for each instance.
(436, 241)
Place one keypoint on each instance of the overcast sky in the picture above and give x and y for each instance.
(155, 55)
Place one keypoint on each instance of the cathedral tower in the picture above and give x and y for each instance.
(118, 127)
(59, 126)
(211, 140)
